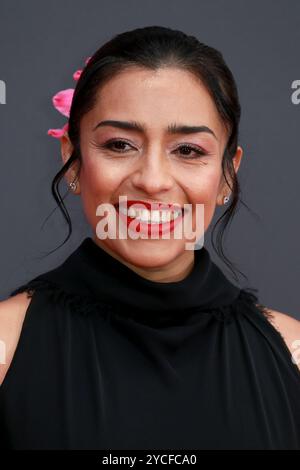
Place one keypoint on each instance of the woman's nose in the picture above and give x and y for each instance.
(153, 174)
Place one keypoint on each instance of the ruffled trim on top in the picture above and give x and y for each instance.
(85, 305)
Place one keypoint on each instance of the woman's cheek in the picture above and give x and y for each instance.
(99, 183)
(99, 176)
(205, 191)
(93, 191)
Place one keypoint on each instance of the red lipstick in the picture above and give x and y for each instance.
(149, 227)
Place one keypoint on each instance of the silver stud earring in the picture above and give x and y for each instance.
(225, 199)
(73, 186)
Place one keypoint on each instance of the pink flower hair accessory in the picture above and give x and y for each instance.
(62, 102)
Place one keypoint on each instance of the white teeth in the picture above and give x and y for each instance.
(144, 215)
(123, 210)
(165, 216)
(154, 216)
(131, 212)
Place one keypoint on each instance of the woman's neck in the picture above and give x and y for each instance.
(175, 271)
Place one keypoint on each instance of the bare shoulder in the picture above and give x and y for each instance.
(289, 328)
(12, 315)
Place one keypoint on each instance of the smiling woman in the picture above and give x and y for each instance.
(170, 353)
(151, 160)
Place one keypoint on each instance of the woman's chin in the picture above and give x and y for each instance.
(148, 253)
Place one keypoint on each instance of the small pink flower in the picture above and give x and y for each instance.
(62, 101)
(57, 133)
(77, 74)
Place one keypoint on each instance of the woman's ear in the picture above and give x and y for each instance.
(225, 190)
(66, 152)
(237, 158)
(66, 147)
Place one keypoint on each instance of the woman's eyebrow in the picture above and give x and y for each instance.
(172, 128)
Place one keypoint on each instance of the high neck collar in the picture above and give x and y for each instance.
(91, 276)
(93, 270)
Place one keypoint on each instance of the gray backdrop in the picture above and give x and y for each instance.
(43, 42)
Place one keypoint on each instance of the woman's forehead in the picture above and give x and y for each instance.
(157, 99)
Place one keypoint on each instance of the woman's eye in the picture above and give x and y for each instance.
(198, 152)
(186, 151)
(116, 145)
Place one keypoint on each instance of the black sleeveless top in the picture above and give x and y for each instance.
(107, 359)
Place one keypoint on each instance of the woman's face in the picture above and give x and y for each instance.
(152, 164)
